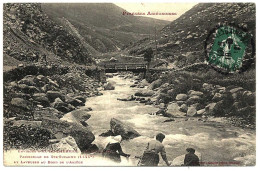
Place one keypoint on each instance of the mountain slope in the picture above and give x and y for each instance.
(182, 41)
(28, 30)
(103, 25)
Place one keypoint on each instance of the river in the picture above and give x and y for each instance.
(216, 142)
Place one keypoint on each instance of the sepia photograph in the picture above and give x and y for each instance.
(129, 84)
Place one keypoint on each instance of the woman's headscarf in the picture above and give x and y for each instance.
(114, 139)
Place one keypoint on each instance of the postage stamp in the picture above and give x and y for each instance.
(230, 48)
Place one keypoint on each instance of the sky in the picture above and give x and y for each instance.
(178, 8)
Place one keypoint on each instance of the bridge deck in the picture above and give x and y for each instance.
(125, 66)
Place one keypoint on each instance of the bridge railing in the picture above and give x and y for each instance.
(125, 66)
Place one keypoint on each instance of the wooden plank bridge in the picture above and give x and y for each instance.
(134, 67)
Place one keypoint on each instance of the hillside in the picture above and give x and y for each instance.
(28, 31)
(182, 41)
(102, 24)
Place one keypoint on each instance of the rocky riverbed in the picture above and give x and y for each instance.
(128, 106)
(215, 140)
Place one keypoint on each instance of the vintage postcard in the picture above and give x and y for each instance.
(129, 84)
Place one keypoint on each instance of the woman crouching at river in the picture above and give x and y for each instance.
(113, 149)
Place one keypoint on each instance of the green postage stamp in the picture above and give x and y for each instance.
(229, 48)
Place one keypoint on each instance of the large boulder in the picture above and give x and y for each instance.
(80, 115)
(20, 103)
(183, 108)
(181, 97)
(191, 111)
(155, 84)
(200, 112)
(207, 87)
(28, 89)
(81, 98)
(249, 98)
(61, 106)
(67, 143)
(246, 111)
(42, 78)
(82, 135)
(144, 92)
(27, 80)
(220, 109)
(120, 128)
(217, 97)
(195, 93)
(75, 102)
(48, 112)
(21, 95)
(51, 82)
(174, 110)
(193, 99)
(143, 83)
(42, 99)
(209, 108)
(52, 95)
(109, 86)
(49, 87)
(235, 90)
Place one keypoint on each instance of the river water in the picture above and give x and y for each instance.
(215, 142)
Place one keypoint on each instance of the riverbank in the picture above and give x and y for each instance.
(216, 141)
(35, 96)
(88, 127)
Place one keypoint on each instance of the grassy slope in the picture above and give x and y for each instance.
(103, 23)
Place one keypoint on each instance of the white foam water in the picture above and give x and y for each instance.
(213, 141)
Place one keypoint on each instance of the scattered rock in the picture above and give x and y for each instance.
(195, 93)
(120, 128)
(20, 103)
(174, 111)
(217, 97)
(180, 102)
(209, 108)
(42, 99)
(184, 108)
(109, 86)
(193, 99)
(191, 111)
(60, 105)
(181, 97)
(67, 143)
(27, 80)
(200, 112)
(81, 98)
(169, 120)
(48, 112)
(207, 87)
(75, 102)
(235, 90)
(52, 95)
(155, 84)
(82, 135)
(143, 83)
(144, 93)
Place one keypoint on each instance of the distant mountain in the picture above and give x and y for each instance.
(182, 41)
(102, 25)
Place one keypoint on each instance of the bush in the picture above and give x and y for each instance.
(25, 137)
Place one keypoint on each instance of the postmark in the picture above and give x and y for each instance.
(230, 48)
